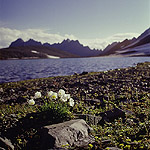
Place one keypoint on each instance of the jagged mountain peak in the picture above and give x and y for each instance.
(17, 43)
(20, 40)
(67, 41)
(46, 44)
(32, 42)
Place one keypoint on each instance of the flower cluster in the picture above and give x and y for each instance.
(61, 95)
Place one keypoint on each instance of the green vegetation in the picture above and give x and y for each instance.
(127, 89)
(133, 132)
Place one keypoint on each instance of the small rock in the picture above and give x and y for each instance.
(90, 119)
(111, 115)
(1, 90)
(1, 101)
(128, 112)
(106, 141)
(83, 73)
(133, 143)
(112, 148)
(21, 100)
(92, 101)
(76, 74)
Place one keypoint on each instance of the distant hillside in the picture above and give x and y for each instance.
(30, 52)
(112, 48)
(133, 47)
(76, 48)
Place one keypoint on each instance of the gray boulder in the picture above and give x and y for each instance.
(74, 133)
(5, 144)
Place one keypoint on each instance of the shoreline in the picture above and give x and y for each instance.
(53, 57)
(81, 81)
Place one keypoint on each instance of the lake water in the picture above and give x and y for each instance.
(16, 70)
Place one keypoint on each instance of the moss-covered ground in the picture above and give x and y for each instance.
(126, 88)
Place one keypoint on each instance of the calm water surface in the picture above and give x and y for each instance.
(16, 70)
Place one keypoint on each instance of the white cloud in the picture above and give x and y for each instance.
(8, 35)
(102, 43)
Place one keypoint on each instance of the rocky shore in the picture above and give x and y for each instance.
(120, 99)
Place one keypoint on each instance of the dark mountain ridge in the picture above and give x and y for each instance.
(70, 46)
(76, 48)
(31, 52)
(19, 42)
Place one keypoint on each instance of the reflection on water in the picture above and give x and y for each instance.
(16, 70)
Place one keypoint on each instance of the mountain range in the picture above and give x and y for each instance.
(135, 47)
(20, 49)
(67, 46)
(29, 50)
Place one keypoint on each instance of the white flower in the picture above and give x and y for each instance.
(54, 96)
(37, 95)
(61, 92)
(49, 94)
(68, 96)
(65, 97)
(71, 102)
(31, 102)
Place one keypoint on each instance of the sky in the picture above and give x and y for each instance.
(95, 23)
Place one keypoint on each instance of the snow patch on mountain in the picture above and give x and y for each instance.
(139, 50)
(141, 37)
(35, 52)
(50, 56)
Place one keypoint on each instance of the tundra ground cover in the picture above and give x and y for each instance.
(92, 93)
